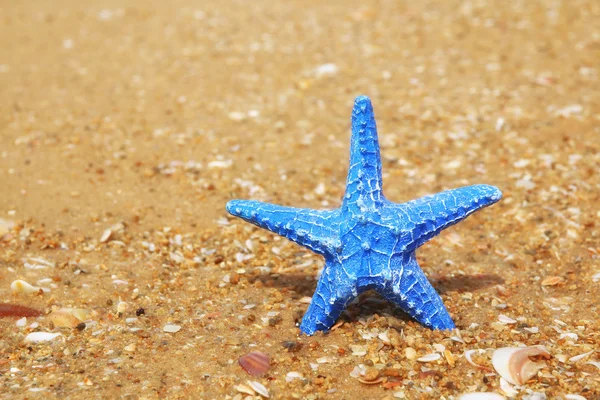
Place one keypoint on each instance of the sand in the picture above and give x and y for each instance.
(126, 127)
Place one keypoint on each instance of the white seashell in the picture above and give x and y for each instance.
(507, 388)
(22, 322)
(357, 371)
(170, 328)
(561, 358)
(130, 348)
(325, 360)
(506, 320)
(574, 397)
(259, 388)
(470, 361)
(384, 337)
(358, 350)
(290, 376)
(457, 339)
(20, 286)
(570, 335)
(245, 389)
(594, 363)
(535, 396)
(68, 317)
(514, 364)
(440, 348)
(105, 236)
(580, 356)
(122, 307)
(481, 396)
(37, 337)
(430, 357)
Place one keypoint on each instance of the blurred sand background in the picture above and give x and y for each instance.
(126, 126)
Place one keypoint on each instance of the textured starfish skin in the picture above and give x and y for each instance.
(369, 242)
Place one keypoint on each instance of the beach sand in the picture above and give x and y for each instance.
(125, 127)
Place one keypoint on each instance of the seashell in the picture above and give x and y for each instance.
(370, 374)
(255, 363)
(507, 388)
(580, 356)
(481, 396)
(259, 388)
(37, 337)
(290, 376)
(552, 280)
(245, 389)
(410, 353)
(384, 337)
(470, 360)
(122, 307)
(440, 348)
(594, 363)
(170, 328)
(105, 236)
(373, 382)
(514, 364)
(430, 357)
(358, 349)
(15, 310)
(457, 339)
(68, 317)
(506, 320)
(357, 371)
(325, 360)
(20, 286)
(574, 397)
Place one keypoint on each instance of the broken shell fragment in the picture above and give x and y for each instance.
(37, 337)
(507, 388)
(552, 280)
(255, 363)
(514, 363)
(20, 286)
(259, 388)
(481, 396)
(105, 236)
(468, 354)
(429, 357)
(68, 317)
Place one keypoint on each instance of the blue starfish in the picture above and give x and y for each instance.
(369, 242)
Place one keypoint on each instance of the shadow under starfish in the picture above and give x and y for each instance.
(369, 242)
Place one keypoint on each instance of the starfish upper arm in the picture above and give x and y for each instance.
(430, 215)
(315, 229)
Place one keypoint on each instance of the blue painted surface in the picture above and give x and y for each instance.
(369, 242)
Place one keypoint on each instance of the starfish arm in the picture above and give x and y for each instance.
(364, 183)
(314, 229)
(410, 289)
(432, 214)
(334, 291)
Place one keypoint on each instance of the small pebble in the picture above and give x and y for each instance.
(170, 328)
